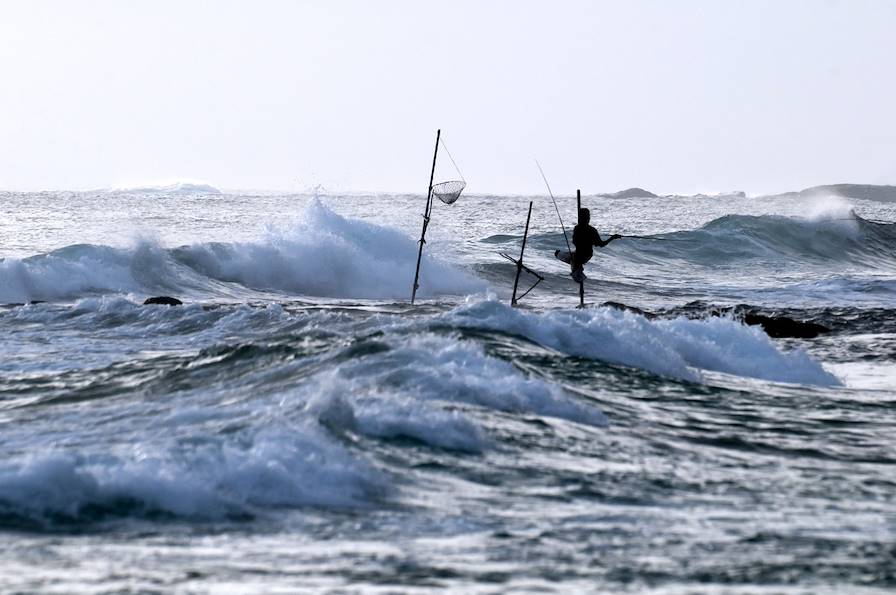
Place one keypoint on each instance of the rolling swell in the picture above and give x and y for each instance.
(823, 241)
(838, 238)
(327, 255)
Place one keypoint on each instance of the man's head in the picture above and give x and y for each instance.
(584, 216)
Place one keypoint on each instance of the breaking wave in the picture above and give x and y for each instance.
(679, 347)
(201, 478)
(323, 254)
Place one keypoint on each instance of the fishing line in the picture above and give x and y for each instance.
(543, 177)
(444, 146)
(652, 238)
(857, 218)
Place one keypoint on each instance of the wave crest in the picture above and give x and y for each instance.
(678, 348)
(822, 239)
(323, 254)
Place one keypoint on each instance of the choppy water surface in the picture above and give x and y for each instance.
(297, 425)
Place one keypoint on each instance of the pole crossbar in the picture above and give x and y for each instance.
(519, 262)
(538, 277)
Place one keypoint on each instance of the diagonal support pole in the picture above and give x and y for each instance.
(519, 263)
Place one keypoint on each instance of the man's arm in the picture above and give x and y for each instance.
(597, 241)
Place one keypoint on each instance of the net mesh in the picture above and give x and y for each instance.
(448, 192)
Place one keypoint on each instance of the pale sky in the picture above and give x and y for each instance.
(673, 96)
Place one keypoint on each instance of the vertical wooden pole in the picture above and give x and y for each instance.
(426, 214)
(579, 222)
(519, 263)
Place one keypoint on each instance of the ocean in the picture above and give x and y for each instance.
(298, 426)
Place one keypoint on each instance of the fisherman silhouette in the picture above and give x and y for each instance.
(584, 238)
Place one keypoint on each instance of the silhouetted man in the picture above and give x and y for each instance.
(584, 238)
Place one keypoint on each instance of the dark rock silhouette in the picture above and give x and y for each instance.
(876, 192)
(163, 300)
(862, 191)
(780, 327)
(632, 309)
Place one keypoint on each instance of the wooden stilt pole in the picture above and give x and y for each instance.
(519, 263)
(426, 215)
(579, 222)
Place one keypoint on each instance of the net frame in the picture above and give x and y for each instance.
(448, 192)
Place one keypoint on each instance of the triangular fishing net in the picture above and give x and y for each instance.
(448, 192)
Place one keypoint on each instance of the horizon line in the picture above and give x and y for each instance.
(324, 191)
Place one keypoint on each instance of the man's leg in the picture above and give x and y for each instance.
(564, 256)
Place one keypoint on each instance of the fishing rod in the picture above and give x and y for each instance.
(652, 238)
(543, 177)
(856, 218)
(874, 221)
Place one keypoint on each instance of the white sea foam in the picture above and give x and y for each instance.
(830, 207)
(678, 348)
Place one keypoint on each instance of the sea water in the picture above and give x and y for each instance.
(298, 426)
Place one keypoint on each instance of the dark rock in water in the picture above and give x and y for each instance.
(620, 306)
(780, 327)
(777, 327)
(18, 304)
(163, 300)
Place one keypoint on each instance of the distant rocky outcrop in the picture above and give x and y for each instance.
(880, 193)
(730, 194)
(860, 191)
(180, 188)
(631, 193)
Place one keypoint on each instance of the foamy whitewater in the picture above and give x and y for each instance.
(298, 426)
